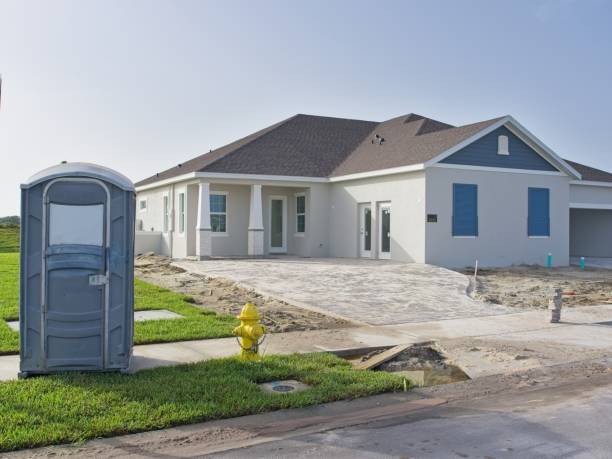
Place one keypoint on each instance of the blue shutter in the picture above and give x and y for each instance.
(538, 220)
(465, 210)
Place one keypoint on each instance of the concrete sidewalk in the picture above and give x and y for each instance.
(584, 332)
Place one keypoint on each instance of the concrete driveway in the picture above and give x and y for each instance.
(368, 291)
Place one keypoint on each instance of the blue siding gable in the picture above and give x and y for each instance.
(483, 152)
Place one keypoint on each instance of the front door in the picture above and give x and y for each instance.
(75, 270)
(365, 230)
(278, 222)
(384, 231)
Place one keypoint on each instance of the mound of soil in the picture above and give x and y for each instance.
(532, 287)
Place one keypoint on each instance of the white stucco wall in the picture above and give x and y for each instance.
(405, 192)
(152, 218)
(147, 241)
(502, 215)
(590, 195)
(235, 242)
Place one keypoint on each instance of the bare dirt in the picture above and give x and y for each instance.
(227, 297)
(531, 287)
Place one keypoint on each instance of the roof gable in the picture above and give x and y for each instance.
(483, 152)
(408, 140)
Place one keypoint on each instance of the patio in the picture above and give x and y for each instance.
(372, 292)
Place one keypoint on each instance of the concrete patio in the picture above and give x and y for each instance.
(373, 292)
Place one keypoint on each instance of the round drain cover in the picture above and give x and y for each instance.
(282, 388)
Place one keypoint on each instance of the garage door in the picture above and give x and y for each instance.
(590, 233)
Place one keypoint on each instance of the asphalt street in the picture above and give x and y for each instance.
(568, 421)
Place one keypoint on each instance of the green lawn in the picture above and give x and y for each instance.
(75, 407)
(9, 239)
(198, 323)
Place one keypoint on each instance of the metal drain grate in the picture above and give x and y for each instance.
(283, 387)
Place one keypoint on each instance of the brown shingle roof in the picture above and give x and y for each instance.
(408, 140)
(590, 173)
(318, 146)
(303, 145)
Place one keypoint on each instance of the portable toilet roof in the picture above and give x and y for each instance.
(80, 170)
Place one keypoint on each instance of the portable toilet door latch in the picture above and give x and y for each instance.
(98, 279)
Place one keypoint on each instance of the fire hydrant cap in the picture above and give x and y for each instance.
(249, 312)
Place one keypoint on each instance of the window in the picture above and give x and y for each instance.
(76, 224)
(502, 145)
(218, 213)
(538, 219)
(142, 205)
(300, 212)
(181, 212)
(166, 214)
(465, 210)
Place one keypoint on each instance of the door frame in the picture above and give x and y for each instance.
(361, 228)
(383, 255)
(282, 249)
(43, 277)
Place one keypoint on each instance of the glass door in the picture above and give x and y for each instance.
(365, 230)
(384, 230)
(278, 219)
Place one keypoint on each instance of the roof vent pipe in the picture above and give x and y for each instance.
(379, 139)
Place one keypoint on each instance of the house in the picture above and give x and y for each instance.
(411, 189)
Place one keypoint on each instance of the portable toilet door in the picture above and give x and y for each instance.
(75, 294)
(83, 252)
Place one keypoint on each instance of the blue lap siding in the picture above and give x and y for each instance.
(483, 152)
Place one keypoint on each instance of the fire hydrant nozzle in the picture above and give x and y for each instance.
(250, 331)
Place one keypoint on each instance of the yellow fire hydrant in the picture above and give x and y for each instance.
(250, 331)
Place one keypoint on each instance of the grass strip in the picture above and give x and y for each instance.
(75, 407)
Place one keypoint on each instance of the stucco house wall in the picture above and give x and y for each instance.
(405, 192)
(502, 219)
(590, 195)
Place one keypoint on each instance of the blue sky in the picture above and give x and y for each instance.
(142, 85)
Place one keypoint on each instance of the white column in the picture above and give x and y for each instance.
(374, 246)
(203, 236)
(256, 230)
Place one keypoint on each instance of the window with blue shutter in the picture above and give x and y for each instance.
(465, 209)
(538, 219)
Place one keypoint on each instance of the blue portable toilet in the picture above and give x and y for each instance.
(77, 270)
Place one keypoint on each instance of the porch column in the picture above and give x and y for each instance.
(256, 229)
(203, 236)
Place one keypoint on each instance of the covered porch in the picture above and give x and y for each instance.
(228, 219)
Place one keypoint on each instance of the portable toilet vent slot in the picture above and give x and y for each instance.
(77, 270)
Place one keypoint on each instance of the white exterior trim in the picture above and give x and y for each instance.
(525, 132)
(591, 183)
(377, 173)
(295, 196)
(222, 176)
(226, 213)
(496, 169)
(466, 142)
(520, 131)
(588, 205)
